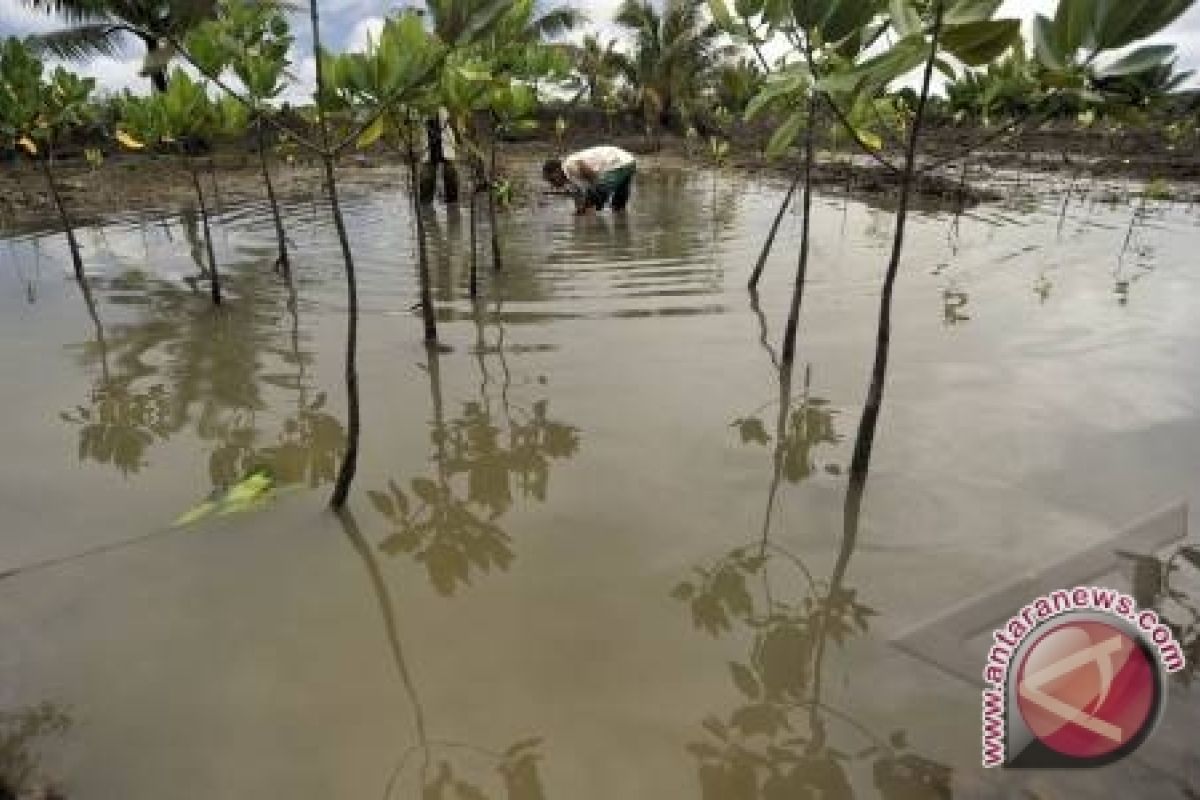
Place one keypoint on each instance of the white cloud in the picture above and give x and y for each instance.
(112, 75)
(364, 30)
(345, 24)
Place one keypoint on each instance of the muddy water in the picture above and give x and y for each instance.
(560, 578)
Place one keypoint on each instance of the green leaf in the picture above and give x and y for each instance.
(720, 13)
(1156, 16)
(905, 18)
(371, 135)
(1045, 45)
(871, 140)
(844, 18)
(808, 13)
(977, 43)
(747, 9)
(785, 134)
(1141, 60)
(965, 11)
(1075, 24)
(774, 89)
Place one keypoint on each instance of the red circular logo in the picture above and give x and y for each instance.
(1086, 689)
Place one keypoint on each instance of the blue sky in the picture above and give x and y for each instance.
(346, 23)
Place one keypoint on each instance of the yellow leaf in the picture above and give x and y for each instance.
(371, 134)
(871, 140)
(198, 513)
(28, 145)
(128, 141)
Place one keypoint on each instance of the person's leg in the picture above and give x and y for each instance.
(428, 183)
(450, 181)
(597, 196)
(621, 193)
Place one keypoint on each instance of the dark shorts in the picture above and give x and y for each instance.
(616, 185)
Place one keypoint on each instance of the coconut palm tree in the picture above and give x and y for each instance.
(673, 51)
(459, 21)
(102, 28)
(597, 65)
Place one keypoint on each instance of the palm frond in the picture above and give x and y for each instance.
(74, 12)
(558, 21)
(80, 43)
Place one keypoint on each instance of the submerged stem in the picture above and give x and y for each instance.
(214, 276)
(349, 466)
(283, 263)
(793, 323)
(68, 228)
(770, 242)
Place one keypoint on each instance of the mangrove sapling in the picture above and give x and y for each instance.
(497, 262)
(868, 423)
(428, 314)
(213, 275)
(473, 199)
(793, 323)
(282, 263)
(65, 219)
(35, 113)
(763, 254)
(349, 465)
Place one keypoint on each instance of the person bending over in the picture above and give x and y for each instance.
(594, 177)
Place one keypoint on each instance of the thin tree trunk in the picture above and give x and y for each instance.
(428, 318)
(770, 242)
(349, 466)
(214, 276)
(865, 438)
(68, 229)
(497, 262)
(793, 323)
(284, 264)
(474, 289)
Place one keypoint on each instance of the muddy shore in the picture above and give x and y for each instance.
(141, 184)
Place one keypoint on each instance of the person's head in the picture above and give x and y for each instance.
(552, 171)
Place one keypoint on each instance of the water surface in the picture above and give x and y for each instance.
(559, 578)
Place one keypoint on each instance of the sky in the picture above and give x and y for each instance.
(347, 23)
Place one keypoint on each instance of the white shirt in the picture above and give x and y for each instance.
(599, 160)
(449, 143)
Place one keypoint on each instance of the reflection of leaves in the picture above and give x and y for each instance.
(120, 424)
(909, 776)
(760, 718)
(18, 732)
(752, 430)
(745, 681)
(722, 593)
(810, 426)
(521, 778)
(783, 657)
(775, 745)
(442, 533)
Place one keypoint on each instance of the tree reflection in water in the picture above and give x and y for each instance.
(784, 740)
(20, 766)
(182, 368)
(446, 769)
(483, 458)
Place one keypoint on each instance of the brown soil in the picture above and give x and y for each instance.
(148, 184)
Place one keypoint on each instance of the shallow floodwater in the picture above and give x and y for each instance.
(559, 580)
